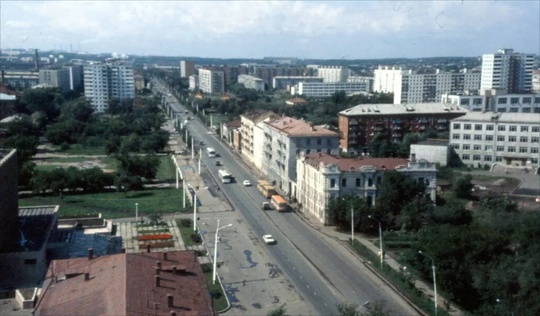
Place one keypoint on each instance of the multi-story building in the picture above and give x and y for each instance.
(322, 178)
(251, 82)
(284, 139)
(508, 70)
(322, 89)
(57, 78)
(385, 77)
(193, 82)
(20, 79)
(103, 81)
(496, 101)
(286, 82)
(333, 73)
(252, 136)
(139, 82)
(360, 124)
(487, 138)
(187, 68)
(268, 72)
(211, 81)
(536, 81)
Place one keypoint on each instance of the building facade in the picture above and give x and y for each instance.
(193, 82)
(9, 205)
(496, 101)
(284, 139)
(505, 138)
(333, 73)
(508, 70)
(57, 78)
(322, 89)
(360, 124)
(322, 178)
(20, 79)
(385, 77)
(286, 82)
(103, 81)
(187, 68)
(211, 81)
(536, 81)
(251, 82)
(251, 134)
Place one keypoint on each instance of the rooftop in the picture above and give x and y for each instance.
(345, 164)
(532, 118)
(257, 115)
(434, 142)
(294, 127)
(234, 124)
(409, 108)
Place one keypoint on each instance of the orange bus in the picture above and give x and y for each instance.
(265, 188)
(278, 203)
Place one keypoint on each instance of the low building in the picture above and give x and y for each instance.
(326, 89)
(487, 138)
(296, 101)
(168, 283)
(436, 151)
(286, 82)
(251, 82)
(20, 79)
(227, 133)
(322, 177)
(360, 124)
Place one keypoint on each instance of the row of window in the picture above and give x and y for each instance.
(489, 158)
(489, 148)
(500, 128)
(358, 182)
(500, 138)
(516, 110)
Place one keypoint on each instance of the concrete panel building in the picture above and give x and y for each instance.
(333, 73)
(57, 78)
(286, 82)
(251, 134)
(322, 89)
(187, 68)
(508, 70)
(496, 101)
(251, 82)
(436, 151)
(211, 81)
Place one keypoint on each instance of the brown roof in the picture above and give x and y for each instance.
(6, 90)
(295, 101)
(233, 124)
(256, 114)
(294, 127)
(125, 284)
(345, 164)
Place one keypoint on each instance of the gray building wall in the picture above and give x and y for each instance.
(9, 216)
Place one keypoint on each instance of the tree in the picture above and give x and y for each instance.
(453, 213)
(376, 309)
(47, 100)
(348, 309)
(463, 187)
(280, 311)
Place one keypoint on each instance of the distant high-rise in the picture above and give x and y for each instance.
(187, 68)
(107, 80)
(211, 81)
(508, 71)
(333, 73)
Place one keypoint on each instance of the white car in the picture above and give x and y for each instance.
(268, 239)
(247, 183)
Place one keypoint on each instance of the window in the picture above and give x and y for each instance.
(526, 110)
(514, 100)
(501, 128)
(503, 101)
(477, 101)
(329, 142)
(466, 136)
(328, 151)
(514, 110)
(308, 151)
(455, 136)
(464, 102)
(466, 146)
(500, 138)
(500, 148)
(536, 100)
(527, 100)
(358, 182)
(536, 110)
(332, 183)
(319, 141)
(498, 158)
(308, 141)
(488, 148)
(370, 182)
(489, 137)
(512, 139)
(536, 129)
(535, 139)
(534, 150)
(455, 146)
(477, 137)
(467, 126)
(477, 127)
(465, 157)
(523, 139)
(489, 127)
(513, 128)
(511, 149)
(524, 128)
(457, 126)
(476, 157)
(487, 158)
(523, 150)
(477, 147)
(501, 110)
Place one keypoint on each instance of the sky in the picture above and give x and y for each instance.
(256, 29)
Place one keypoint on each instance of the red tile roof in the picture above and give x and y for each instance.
(294, 127)
(233, 124)
(345, 164)
(125, 284)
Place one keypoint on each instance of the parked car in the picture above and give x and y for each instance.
(246, 183)
(218, 163)
(268, 239)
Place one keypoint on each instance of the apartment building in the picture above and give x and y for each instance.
(385, 78)
(536, 81)
(187, 68)
(286, 82)
(284, 139)
(251, 82)
(322, 177)
(193, 82)
(251, 134)
(360, 124)
(508, 70)
(496, 101)
(322, 89)
(57, 78)
(76, 76)
(487, 138)
(211, 81)
(20, 79)
(333, 73)
(268, 72)
(103, 81)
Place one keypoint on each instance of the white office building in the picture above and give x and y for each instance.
(385, 77)
(251, 82)
(505, 138)
(496, 101)
(333, 73)
(211, 81)
(322, 89)
(286, 82)
(103, 81)
(508, 70)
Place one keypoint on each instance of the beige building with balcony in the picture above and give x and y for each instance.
(251, 134)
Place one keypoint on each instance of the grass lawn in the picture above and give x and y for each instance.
(79, 150)
(166, 169)
(113, 204)
(186, 232)
(221, 302)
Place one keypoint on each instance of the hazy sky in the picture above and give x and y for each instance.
(314, 29)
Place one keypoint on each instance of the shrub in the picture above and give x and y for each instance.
(185, 222)
(196, 238)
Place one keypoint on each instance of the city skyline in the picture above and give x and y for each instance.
(308, 30)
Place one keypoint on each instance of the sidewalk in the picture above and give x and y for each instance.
(344, 238)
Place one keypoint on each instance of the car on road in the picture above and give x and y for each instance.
(268, 239)
(247, 183)
(218, 163)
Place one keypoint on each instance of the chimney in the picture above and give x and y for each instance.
(170, 300)
(86, 276)
(164, 256)
(174, 269)
(90, 253)
(37, 59)
(158, 264)
(157, 280)
(156, 271)
(148, 248)
(173, 313)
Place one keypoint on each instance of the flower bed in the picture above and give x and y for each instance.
(160, 244)
(154, 237)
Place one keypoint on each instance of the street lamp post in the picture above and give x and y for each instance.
(184, 193)
(434, 280)
(215, 249)
(194, 208)
(136, 212)
(380, 239)
(352, 224)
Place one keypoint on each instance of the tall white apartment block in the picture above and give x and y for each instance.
(107, 80)
(211, 81)
(187, 68)
(384, 78)
(508, 70)
(333, 73)
(507, 138)
(251, 82)
(193, 82)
